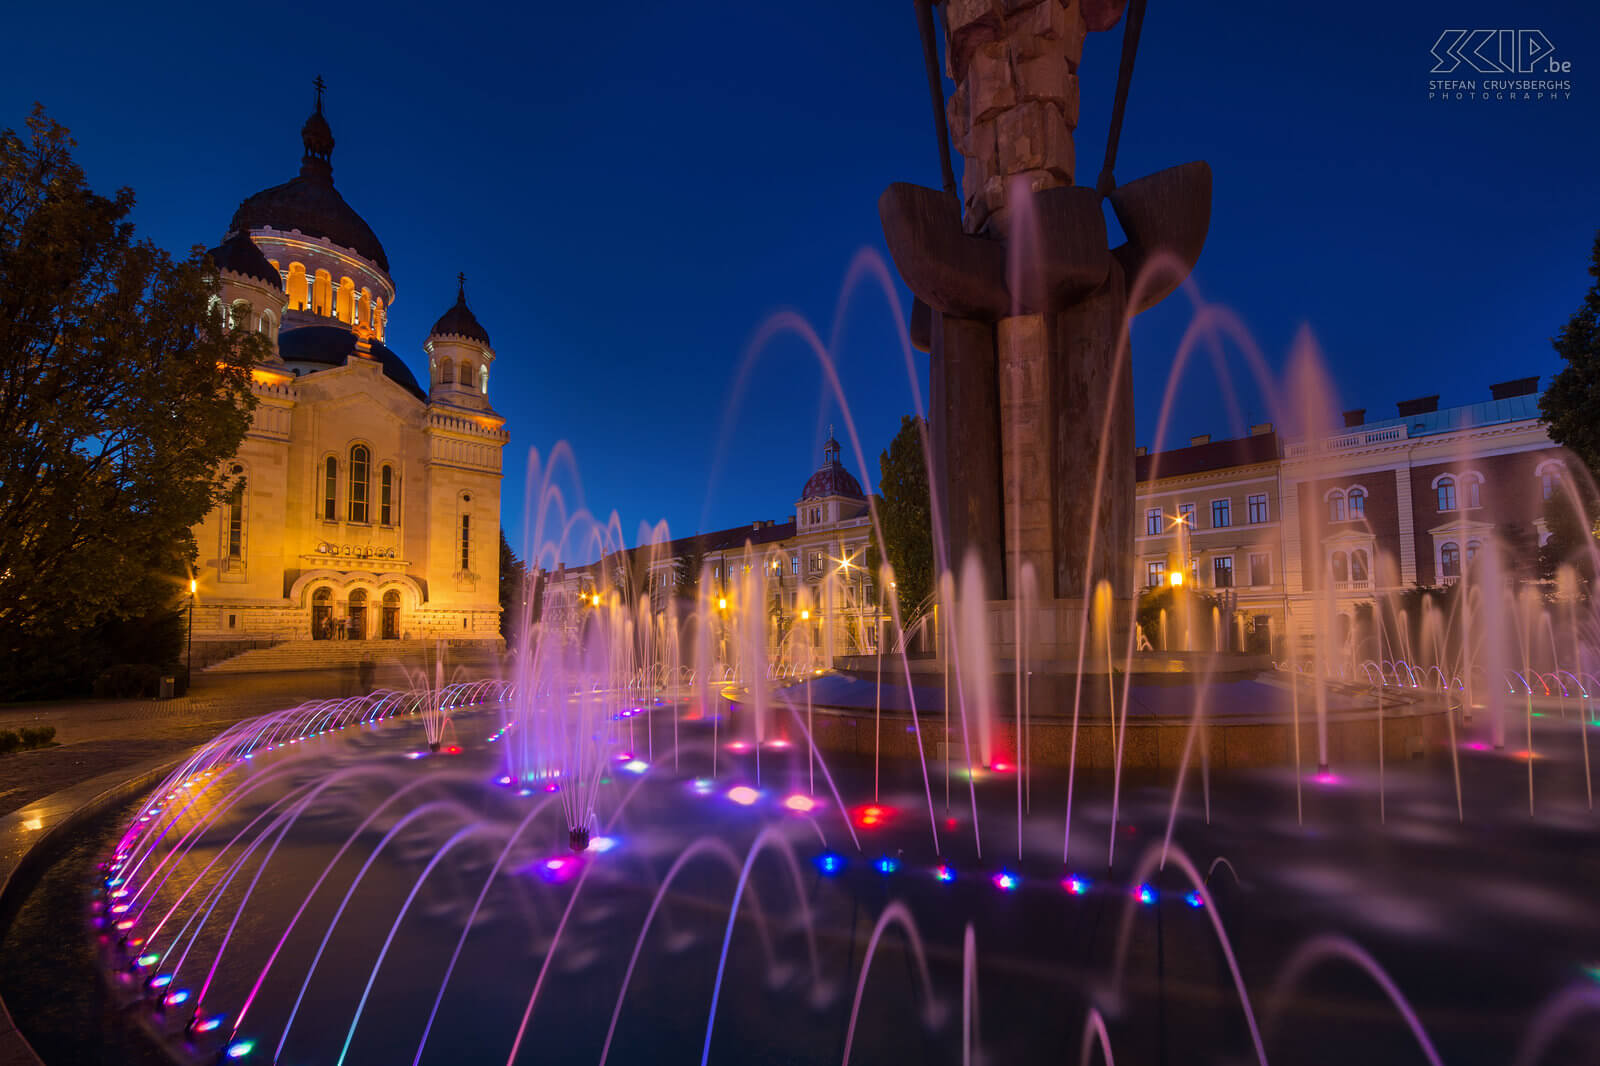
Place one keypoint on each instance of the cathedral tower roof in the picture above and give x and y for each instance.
(832, 479)
(459, 321)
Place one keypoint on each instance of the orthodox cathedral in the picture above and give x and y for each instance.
(366, 504)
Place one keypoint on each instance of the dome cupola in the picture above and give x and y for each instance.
(239, 255)
(832, 479)
(459, 355)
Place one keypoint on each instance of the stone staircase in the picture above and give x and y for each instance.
(340, 654)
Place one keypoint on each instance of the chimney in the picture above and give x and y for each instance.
(1520, 387)
(1140, 451)
(1355, 417)
(1203, 438)
(1261, 429)
(1420, 406)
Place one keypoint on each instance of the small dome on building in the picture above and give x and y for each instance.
(310, 203)
(459, 321)
(333, 345)
(832, 479)
(239, 255)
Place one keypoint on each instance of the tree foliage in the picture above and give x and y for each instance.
(907, 515)
(122, 391)
(513, 592)
(1571, 405)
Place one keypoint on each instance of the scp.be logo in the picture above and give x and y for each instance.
(1497, 52)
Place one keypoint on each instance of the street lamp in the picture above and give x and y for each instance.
(188, 661)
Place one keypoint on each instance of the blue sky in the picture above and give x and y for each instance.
(634, 189)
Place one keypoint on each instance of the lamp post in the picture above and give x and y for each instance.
(188, 661)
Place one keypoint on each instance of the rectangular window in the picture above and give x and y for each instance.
(236, 525)
(794, 562)
(1152, 522)
(330, 491)
(1222, 571)
(1258, 509)
(816, 562)
(1155, 574)
(1221, 513)
(1260, 568)
(1186, 514)
(466, 542)
(358, 483)
(386, 496)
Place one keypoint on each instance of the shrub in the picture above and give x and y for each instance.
(42, 737)
(9, 742)
(127, 680)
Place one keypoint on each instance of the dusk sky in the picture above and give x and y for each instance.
(634, 189)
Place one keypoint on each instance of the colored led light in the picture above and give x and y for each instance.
(240, 1048)
(872, 815)
(800, 803)
(149, 960)
(743, 795)
(636, 766)
(175, 998)
(1005, 881)
(601, 845)
(1145, 894)
(161, 980)
(1078, 886)
(944, 873)
(1194, 900)
(703, 785)
(887, 865)
(205, 1025)
(830, 863)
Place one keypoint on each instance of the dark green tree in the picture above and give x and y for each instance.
(907, 516)
(689, 565)
(1571, 405)
(513, 592)
(122, 391)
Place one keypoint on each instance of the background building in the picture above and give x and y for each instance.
(366, 506)
(1383, 505)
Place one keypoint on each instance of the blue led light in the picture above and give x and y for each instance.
(830, 863)
(1193, 899)
(887, 865)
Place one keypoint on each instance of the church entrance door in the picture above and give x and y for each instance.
(391, 615)
(322, 614)
(358, 615)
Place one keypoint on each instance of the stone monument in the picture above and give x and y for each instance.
(1021, 304)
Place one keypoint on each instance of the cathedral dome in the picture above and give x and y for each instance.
(240, 255)
(332, 345)
(459, 321)
(832, 479)
(309, 203)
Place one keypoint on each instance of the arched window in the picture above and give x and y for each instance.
(466, 542)
(365, 308)
(239, 314)
(467, 376)
(483, 378)
(1450, 559)
(1341, 567)
(330, 490)
(1472, 550)
(447, 372)
(378, 319)
(1358, 566)
(346, 306)
(1447, 494)
(360, 459)
(322, 294)
(1336, 506)
(1358, 503)
(269, 325)
(1474, 491)
(295, 283)
(391, 615)
(386, 495)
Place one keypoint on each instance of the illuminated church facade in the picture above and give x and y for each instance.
(365, 504)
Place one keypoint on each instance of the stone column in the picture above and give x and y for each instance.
(965, 352)
(1029, 481)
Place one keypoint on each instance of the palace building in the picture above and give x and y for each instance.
(366, 504)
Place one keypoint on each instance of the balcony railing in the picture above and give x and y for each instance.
(1346, 441)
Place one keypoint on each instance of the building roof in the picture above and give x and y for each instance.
(832, 479)
(1215, 455)
(309, 203)
(240, 255)
(332, 345)
(459, 321)
(1467, 416)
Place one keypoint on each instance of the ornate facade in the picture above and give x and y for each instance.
(366, 506)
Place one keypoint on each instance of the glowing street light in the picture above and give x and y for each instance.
(1177, 578)
(722, 603)
(805, 615)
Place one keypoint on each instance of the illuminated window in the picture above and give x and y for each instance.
(483, 379)
(1155, 574)
(1152, 522)
(386, 495)
(345, 309)
(1186, 514)
(322, 294)
(295, 283)
(330, 490)
(359, 460)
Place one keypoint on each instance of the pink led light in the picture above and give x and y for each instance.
(743, 795)
(800, 803)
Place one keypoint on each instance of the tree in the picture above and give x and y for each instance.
(1570, 407)
(513, 592)
(907, 515)
(688, 567)
(122, 391)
